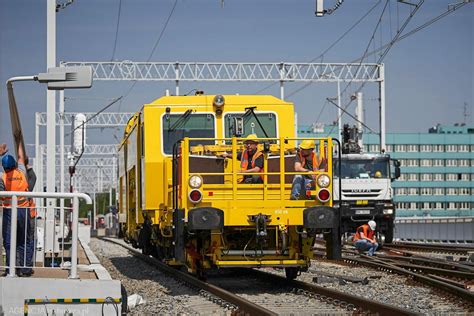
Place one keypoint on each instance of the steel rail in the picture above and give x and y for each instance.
(243, 304)
(361, 302)
(442, 264)
(431, 247)
(434, 282)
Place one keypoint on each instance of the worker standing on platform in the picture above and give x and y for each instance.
(14, 178)
(365, 238)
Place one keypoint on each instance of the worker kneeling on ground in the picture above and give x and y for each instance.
(306, 160)
(364, 238)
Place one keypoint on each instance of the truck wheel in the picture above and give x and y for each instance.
(333, 244)
(389, 235)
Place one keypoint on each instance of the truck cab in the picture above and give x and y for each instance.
(366, 191)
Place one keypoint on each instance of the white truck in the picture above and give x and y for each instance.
(366, 189)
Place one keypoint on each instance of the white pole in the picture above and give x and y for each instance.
(176, 72)
(50, 120)
(339, 110)
(61, 164)
(13, 216)
(95, 213)
(382, 108)
(38, 161)
(75, 227)
(360, 117)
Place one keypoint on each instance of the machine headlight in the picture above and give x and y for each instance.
(195, 182)
(218, 101)
(388, 211)
(323, 181)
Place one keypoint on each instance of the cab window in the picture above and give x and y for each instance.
(188, 124)
(251, 126)
(366, 168)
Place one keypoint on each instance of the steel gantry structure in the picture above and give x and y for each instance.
(282, 72)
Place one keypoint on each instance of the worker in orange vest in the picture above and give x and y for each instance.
(251, 160)
(364, 238)
(14, 178)
(306, 160)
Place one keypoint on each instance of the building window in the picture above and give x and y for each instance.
(400, 191)
(389, 148)
(438, 148)
(438, 191)
(451, 163)
(412, 148)
(451, 148)
(403, 162)
(413, 177)
(426, 177)
(463, 162)
(451, 206)
(413, 206)
(400, 148)
(451, 177)
(412, 191)
(439, 205)
(438, 163)
(463, 148)
(464, 205)
(464, 191)
(451, 191)
(426, 191)
(374, 148)
(425, 148)
(425, 162)
(412, 163)
(465, 177)
(438, 177)
(425, 206)
(403, 177)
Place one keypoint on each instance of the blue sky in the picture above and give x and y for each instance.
(429, 75)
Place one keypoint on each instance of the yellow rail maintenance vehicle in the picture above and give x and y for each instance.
(186, 198)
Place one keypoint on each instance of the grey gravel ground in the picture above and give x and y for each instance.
(163, 294)
(166, 296)
(386, 288)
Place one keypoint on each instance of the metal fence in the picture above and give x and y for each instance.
(47, 231)
(435, 229)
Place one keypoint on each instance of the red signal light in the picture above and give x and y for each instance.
(324, 195)
(195, 196)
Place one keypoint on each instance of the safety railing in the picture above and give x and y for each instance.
(221, 177)
(51, 220)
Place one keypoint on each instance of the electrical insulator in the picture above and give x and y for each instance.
(78, 134)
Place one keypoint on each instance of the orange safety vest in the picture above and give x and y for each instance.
(244, 163)
(15, 180)
(314, 158)
(368, 233)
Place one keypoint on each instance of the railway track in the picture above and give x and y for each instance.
(436, 248)
(453, 278)
(339, 301)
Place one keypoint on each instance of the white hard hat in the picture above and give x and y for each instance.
(372, 225)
